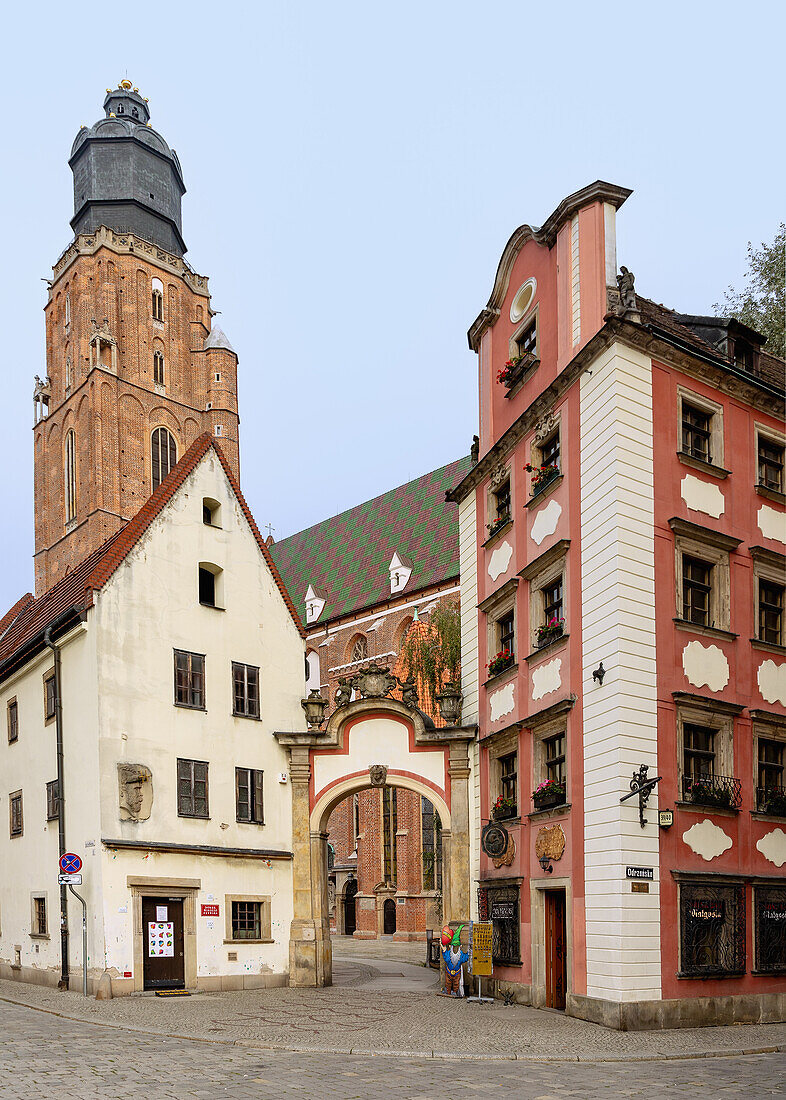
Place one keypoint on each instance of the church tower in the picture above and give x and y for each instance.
(134, 370)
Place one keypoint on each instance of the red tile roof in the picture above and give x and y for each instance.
(29, 617)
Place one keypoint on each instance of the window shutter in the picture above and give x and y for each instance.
(243, 794)
(259, 815)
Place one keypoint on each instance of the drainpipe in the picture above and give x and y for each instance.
(64, 965)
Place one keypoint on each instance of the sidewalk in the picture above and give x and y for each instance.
(389, 1007)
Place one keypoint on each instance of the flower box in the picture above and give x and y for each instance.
(497, 525)
(550, 632)
(771, 800)
(548, 794)
(499, 662)
(515, 369)
(541, 477)
(503, 809)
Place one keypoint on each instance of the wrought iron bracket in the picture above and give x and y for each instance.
(643, 787)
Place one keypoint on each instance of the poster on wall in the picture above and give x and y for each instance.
(161, 938)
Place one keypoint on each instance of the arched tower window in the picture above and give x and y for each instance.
(69, 474)
(158, 300)
(163, 455)
(359, 648)
(158, 368)
(68, 377)
(67, 310)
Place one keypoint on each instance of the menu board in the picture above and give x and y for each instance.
(481, 948)
(161, 938)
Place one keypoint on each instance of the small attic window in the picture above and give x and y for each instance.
(135, 112)
(219, 430)
(119, 108)
(523, 300)
(211, 512)
(400, 571)
(210, 585)
(743, 355)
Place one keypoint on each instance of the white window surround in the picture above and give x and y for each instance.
(696, 710)
(716, 424)
(523, 299)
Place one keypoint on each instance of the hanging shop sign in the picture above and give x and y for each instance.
(494, 840)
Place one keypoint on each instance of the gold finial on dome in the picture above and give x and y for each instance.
(126, 84)
(112, 114)
(108, 91)
(136, 89)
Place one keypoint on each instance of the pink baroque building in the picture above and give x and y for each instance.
(622, 536)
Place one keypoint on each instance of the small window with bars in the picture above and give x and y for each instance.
(52, 800)
(770, 464)
(712, 929)
(696, 432)
(16, 824)
(39, 915)
(245, 690)
(696, 590)
(249, 796)
(698, 751)
(192, 788)
(13, 721)
(189, 680)
(771, 612)
(246, 920)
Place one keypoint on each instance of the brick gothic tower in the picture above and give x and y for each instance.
(134, 371)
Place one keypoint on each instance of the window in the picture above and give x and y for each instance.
(696, 590)
(218, 430)
(158, 300)
(712, 929)
(39, 926)
(500, 611)
(69, 475)
(218, 376)
(67, 310)
(770, 464)
(68, 377)
(247, 918)
(502, 500)
(248, 795)
(771, 612)
(696, 432)
(549, 451)
(769, 755)
(547, 576)
(245, 690)
(15, 813)
(13, 721)
(50, 696)
(52, 800)
(702, 575)
(389, 829)
(555, 758)
(163, 455)
(207, 587)
(700, 434)
(506, 627)
(158, 368)
(553, 618)
(189, 679)
(211, 512)
(431, 845)
(355, 821)
(192, 788)
(769, 914)
(527, 340)
(359, 651)
(698, 751)
(500, 905)
(507, 776)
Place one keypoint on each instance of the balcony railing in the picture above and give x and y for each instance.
(723, 791)
(771, 800)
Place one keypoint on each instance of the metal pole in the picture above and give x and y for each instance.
(84, 939)
(64, 964)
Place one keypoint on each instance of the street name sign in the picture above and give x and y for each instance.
(69, 880)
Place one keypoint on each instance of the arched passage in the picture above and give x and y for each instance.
(372, 742)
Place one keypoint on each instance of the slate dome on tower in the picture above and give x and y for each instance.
(126, 176)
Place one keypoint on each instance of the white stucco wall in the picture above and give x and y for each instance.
(620, 716)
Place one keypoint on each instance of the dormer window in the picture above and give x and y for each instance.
(400, 569)
(314, 605)
(743, 355)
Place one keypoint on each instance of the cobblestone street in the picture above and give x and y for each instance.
(45, 1056)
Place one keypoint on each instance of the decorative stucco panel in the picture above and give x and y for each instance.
(772, 682)
(546, 679)
(705, 665)
(501, 701)
(701, 496)
(500, 560)
(707, 840)
(546, 521)
(773, 847)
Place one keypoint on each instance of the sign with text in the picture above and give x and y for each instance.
(639, 872)
(69, 880)
(209, 910)
(481, 948)
(502, 909)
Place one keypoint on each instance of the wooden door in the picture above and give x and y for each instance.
(389, 916)
(556, 949)
(162, 935)
(350, 917)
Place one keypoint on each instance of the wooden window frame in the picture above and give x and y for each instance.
(36, 932)
(696, 713)
(256, 796)
(531, 321)
(202, 705)
(249, 710)
(767, 729)
(265, 922)
(52, 800)
(12, 720)
(503, 745)
(719, 606)
(49, 678)
(14, 798)
(715, 412)
(776, 439)
(768, 566)
(544, 731)
(540, 574)
(193, 780)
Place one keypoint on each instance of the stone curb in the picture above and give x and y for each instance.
(252, 1044)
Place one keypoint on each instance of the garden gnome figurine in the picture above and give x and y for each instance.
(454, 959)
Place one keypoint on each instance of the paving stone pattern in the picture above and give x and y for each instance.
(44, 1056)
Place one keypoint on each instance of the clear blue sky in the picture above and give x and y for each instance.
(354, 171)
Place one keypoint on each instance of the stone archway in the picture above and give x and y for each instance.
(372, 742)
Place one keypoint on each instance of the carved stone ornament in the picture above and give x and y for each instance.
(409, 692)
(544, 427)
(377, 774)
(550, 842)
(507, 856)
(625, 283)
(498, 475)
(135, 791)
(494, 840)
(343, 693)
(374, 682)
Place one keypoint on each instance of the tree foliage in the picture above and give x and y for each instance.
(435, 655)
(762, 303)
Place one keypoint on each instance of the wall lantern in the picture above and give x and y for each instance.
(599, 673)
(314, 706)
(545, 862)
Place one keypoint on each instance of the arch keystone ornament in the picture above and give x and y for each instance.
(326, 767)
